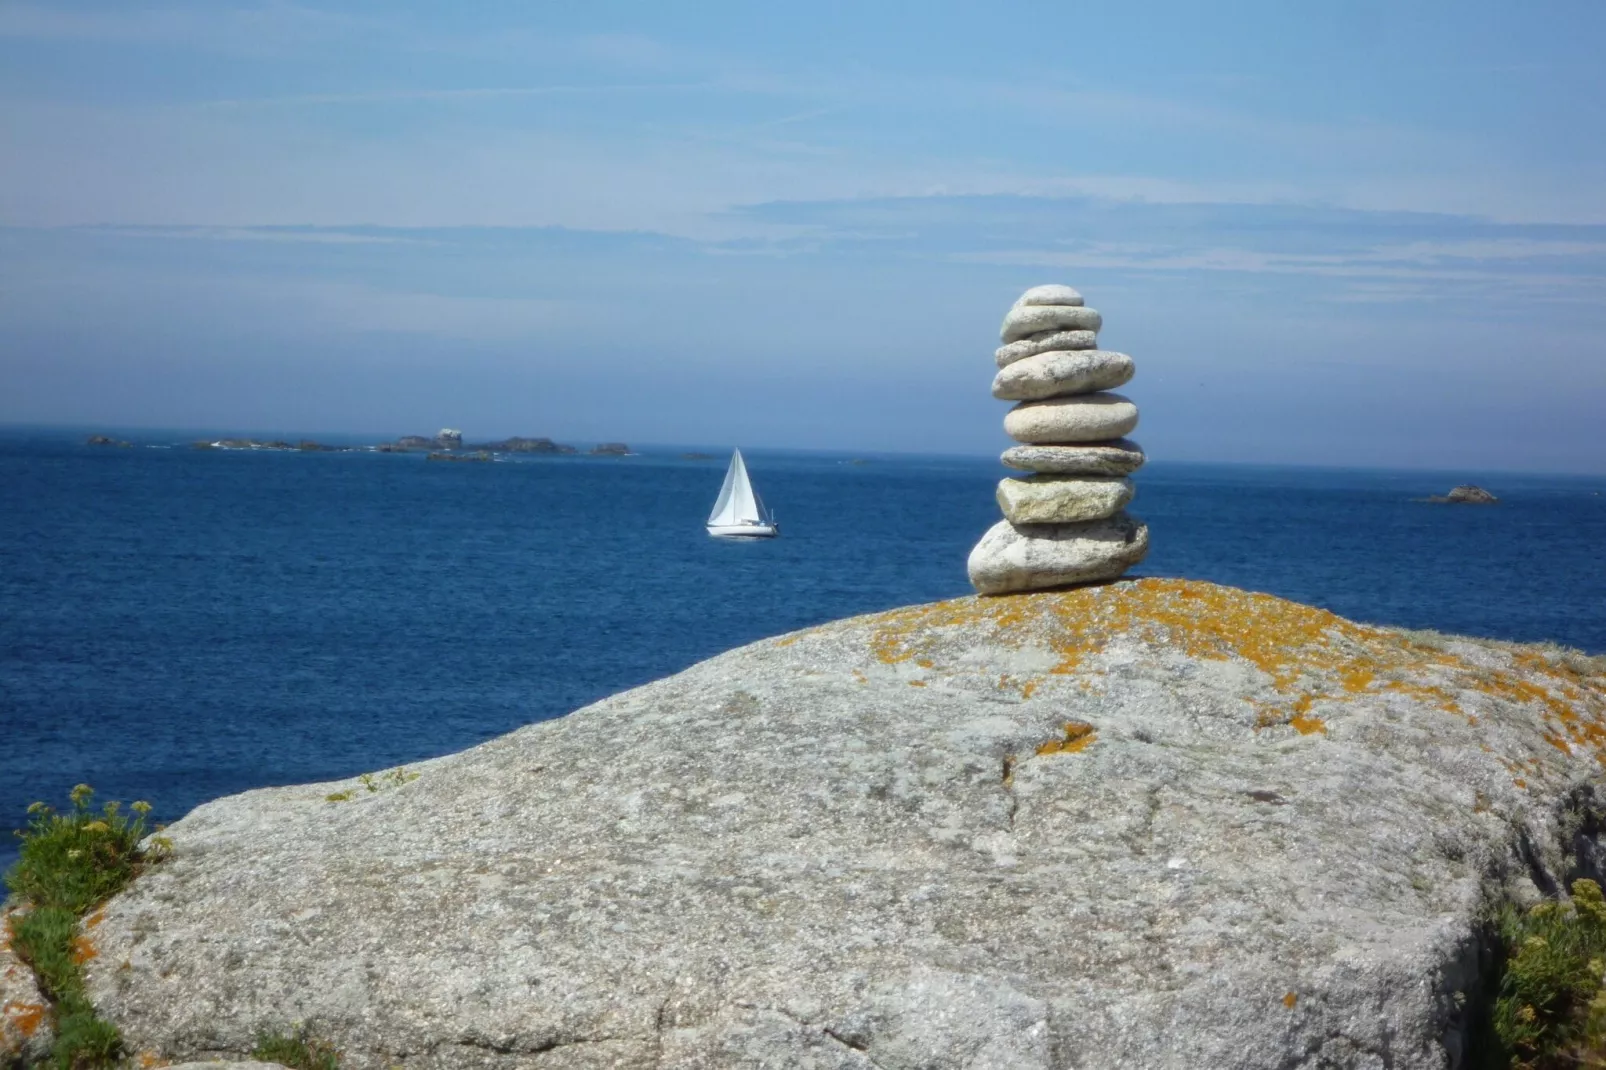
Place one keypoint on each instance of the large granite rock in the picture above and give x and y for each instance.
(1084, 418)
(1154, 824)
(1060, 372)
(25, 1031)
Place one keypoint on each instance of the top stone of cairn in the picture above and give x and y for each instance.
(1053, 294)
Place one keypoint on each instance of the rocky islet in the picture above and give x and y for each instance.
(1065, 522)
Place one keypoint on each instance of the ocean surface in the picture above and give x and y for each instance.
(178, 624)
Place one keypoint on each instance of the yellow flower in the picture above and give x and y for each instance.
(38, 808)
(97, 826)
(80, 792)
(141, 808)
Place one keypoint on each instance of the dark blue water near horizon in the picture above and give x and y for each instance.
(179, 624)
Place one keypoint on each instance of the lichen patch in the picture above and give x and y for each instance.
(1306, 655)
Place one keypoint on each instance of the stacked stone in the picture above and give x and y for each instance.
(1066, 522)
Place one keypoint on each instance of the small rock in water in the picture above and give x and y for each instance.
(1058, 373)
(1084, 418)
(1032, 557)
(1116, 458)
(1044, 342)
(1470, 494)
(1024, 320)
(1052, 294)
(1062, 499)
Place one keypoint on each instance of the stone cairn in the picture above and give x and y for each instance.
(1065, 522)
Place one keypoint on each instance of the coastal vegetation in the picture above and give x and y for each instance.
(1550, 1005)
(297, 1049)
(69, 864)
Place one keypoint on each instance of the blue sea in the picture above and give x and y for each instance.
(178, 624)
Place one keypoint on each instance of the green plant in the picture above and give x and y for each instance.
(1550, 1010)
(70, 863)
(297, 1050)
(80, 858)
(374, 782)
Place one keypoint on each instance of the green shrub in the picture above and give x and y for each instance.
(297, 1050)
(70, 863)
(81, 858)
(45, 937)
(1550, 1011)
(85, 1041)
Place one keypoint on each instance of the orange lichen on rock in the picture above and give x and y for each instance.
(1079, 735)
(25, 1018)
(84, 950)
(1306, 726)
(1306, 654)
(1291, 999)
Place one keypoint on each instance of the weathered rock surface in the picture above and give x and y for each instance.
(1154, 824)
(1062, 499)
(1059, 372)
(1052, 294)
(1044, 342)
(1085, 418)
(1031, 557)
(226, 1066)
(1023, 320)
(25, 1032)
(1117, 458)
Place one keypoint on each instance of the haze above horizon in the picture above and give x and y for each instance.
(1368, 235)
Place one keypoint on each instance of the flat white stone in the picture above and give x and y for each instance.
(1084, 418)
(1062, 499)
(1118, 458)
(1052, 294)
(1023, 320)
(1043, 342)
(1035, 556)
(1059, 372)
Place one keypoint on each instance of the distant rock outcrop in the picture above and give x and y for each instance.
(524, 445)
(106, 440)
(1157, 823)
(611, 449)
(1466, 494)
(448, 438)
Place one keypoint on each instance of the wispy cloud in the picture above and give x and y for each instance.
(395, 96)
(220, 27)
(287, 235)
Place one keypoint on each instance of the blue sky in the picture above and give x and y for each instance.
(1368, 233)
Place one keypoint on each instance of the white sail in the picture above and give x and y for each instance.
(737, 504)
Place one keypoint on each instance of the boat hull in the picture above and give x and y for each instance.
(744, 531)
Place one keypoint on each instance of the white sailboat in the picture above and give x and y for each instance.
(738, 511)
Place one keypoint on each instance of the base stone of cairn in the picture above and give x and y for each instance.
(1065, 523)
